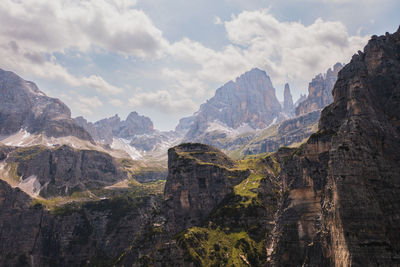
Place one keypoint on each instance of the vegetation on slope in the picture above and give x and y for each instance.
(234, 234)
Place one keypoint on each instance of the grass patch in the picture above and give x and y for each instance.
(215, 247)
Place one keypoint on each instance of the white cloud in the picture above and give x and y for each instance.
(31, 32)
(161, 100)
(86, 105)
(116, 102)
(57, 25)
(217, 20)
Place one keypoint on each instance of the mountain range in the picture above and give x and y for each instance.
(250, 182)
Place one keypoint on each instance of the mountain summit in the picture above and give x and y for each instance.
(287, 101)
(249, 101)
(25, 107)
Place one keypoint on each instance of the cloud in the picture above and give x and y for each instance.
(32, 32)
(217, 20)
(163, 101)
(57, 25)
(116, 102)
(28, 62)
(85, 105)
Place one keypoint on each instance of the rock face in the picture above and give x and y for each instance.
(301, 99)
(63, 170)
(93, 234)
(344, 184)
(135, 125)
(290, 131)
(199, 177)
(319, 91)
(287, 101)
(24, 106)
(184, 124)
(105, 129)
(249, 100)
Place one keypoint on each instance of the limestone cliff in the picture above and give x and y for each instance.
(199, 177)
(24, 106)
(319, 91)
(343, 184)
(59, 171)
(92, 233)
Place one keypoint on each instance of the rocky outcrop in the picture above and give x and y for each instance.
(301, 99)
(106, 129)
(287, 101)
(24, 106)
(249, 100)
(63, 170)
(94, 233)
(319, 91)
(199, 177)
(287, 133)
(184, 124)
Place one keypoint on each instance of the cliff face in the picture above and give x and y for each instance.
(61, 171)
(343, 184)
(287, 133)
(88, 234)
(199, 177)
(24, 106)
(319, 91)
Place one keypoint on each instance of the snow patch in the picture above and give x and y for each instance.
(218, 126)
(30, 185)
(274, 121)
(123, 144)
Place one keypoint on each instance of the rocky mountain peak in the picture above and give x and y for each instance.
(319, 91)
(287, 100)
(106, 129)
(24, 106)
(368, 86)
(248, 101)
(135, 124)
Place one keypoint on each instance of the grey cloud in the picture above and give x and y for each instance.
(14, 46)
(37, 58)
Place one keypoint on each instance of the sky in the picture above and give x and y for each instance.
(164, 58)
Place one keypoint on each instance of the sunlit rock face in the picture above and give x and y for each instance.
(319, 91)
(199, 178)
(24, 106)
(249, 100)
(343, 185)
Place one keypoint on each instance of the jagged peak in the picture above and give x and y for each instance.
(252, 72)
